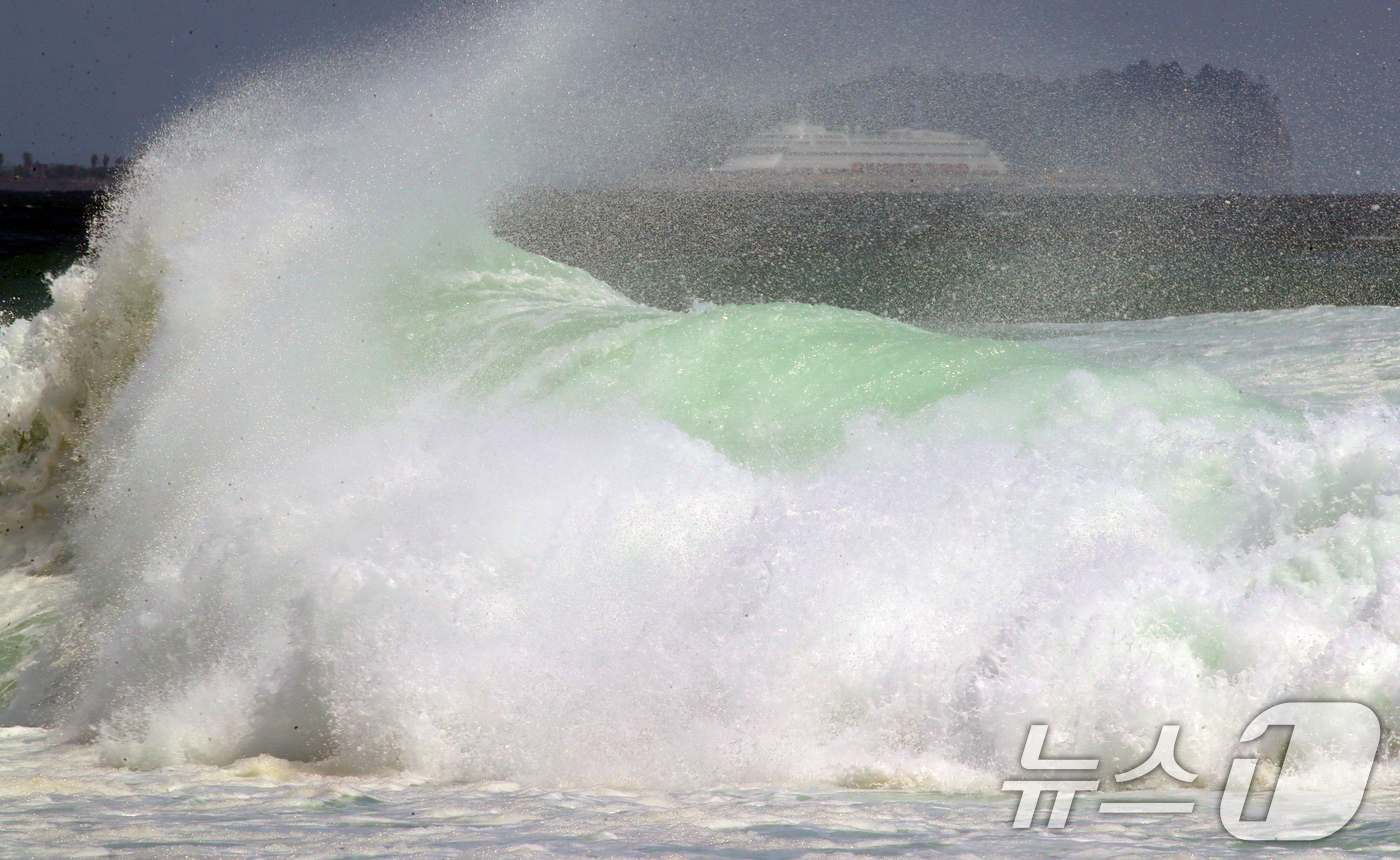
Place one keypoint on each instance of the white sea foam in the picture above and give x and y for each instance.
(360, 485)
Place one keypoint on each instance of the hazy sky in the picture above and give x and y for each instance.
(91, 77)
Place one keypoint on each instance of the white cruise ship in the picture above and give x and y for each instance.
(803, 147)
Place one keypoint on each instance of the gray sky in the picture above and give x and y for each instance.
(92, 77)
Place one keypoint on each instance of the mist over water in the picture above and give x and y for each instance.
(325, 471)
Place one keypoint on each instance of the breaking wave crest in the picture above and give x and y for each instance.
(328, 472)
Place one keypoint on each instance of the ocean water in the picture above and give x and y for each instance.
(336, 525)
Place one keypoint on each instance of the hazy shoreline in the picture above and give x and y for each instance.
(46, 186)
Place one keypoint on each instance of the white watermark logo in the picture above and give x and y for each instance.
(1346, 734)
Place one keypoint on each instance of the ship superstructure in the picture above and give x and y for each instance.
(804, 147)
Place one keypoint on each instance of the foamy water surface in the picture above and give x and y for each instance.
(337, 526)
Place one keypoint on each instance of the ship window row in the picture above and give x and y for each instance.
(874, 154)
(961, 148)
(766, 141)
(792, 141)
(820, 153)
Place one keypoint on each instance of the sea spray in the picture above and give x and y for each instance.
(583, 595)
(357, 483)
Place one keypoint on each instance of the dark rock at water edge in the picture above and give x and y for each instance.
(41, 232)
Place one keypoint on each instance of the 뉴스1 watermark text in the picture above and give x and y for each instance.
(1349, 731)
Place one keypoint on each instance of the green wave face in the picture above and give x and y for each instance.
(776, 385)
(770, 385)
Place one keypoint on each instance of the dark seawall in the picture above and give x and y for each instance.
(967, 258)
(918, 257)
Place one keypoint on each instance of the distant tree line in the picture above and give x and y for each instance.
(1154, 127)
(28, 168)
